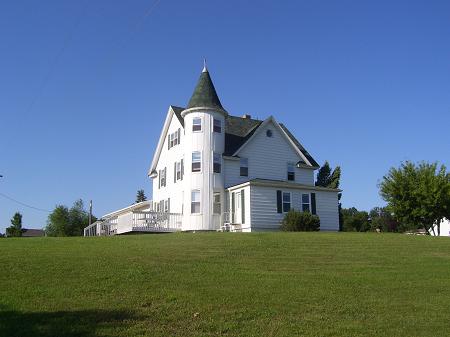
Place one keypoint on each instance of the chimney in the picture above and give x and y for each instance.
(246, 116)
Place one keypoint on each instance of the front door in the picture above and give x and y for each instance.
(238, 212)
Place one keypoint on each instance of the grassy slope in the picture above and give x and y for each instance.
(225, 284)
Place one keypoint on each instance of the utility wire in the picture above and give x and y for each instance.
(24, 204)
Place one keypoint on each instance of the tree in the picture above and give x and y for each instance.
(331, 179)
(354, 220)
(16, 226)
(68, 222)
(417, 194)
(58, 222)
(381, 219)
(140, 196)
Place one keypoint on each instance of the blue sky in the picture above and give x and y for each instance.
(85, 86)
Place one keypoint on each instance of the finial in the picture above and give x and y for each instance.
(204, 66)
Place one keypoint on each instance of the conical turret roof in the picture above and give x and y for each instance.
(205, 95)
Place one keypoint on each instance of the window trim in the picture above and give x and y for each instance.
(215, 127)
(219, 163)
(196, 125)
(243, 167)
(291, 172)
(285, 202)
(304, 203)
(196, 202)
(199, 161)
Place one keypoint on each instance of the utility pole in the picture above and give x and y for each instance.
(90, 212)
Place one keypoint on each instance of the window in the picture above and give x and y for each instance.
(196, 161)
(178, 170)
(167, 206)
(217, 209)
(269, 133)
(291, 171)
(173, 139)
(286, 201)
(196, 124)
(305, 203)
(162, 177)
(217, 164)
(244, 167)
(217, 127)
(195, 201)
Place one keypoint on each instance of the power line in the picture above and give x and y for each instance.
(24, 204)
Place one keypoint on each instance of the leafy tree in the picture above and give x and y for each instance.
(68, 222)
(296, 221)
(418, 195)
(382, 219)
(140, 196)
(58, 222)
(354, 220)
(16, 226)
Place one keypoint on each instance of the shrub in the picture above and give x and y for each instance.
(295, 221)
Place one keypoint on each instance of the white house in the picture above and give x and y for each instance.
(213, 171)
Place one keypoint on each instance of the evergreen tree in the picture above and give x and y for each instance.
(16, 226)
(140, 196)
(324, 175)
(331, 179)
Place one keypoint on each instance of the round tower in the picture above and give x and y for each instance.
(204, 127)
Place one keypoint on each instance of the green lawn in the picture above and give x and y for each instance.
(226, 284)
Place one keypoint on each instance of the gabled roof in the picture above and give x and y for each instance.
(177, 111)
(205, 95)
(237, 131)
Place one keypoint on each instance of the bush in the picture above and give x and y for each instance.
(295, 221)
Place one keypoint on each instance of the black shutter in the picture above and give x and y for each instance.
(168, 142)
(179, 133)
(175, 172)
(168, 205)
(232, 207)
(159, 178)
(243, 207)
(313, 203)
(279, 202)
(182, 168)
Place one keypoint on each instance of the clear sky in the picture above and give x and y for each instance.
(85, 87)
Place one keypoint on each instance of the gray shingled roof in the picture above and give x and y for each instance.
(177, 111)
(205, 95)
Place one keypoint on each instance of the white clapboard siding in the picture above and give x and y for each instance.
(268, 158)
(264, 214)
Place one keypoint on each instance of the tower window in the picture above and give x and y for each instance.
(195, 201)
(196, 161)
(196, 124)
(217, 125)
(217, 164)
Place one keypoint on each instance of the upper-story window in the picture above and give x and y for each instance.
(244, 167)
(217, 127)
(291, 171)
(162, 177)
(217, 164)
(306, 203)
(196, 161)
(269, 133)
(178, 168)
(173, 139)
(196, 124)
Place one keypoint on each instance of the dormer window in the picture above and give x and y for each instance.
(217, 127)
(196, 124)
(291, 171)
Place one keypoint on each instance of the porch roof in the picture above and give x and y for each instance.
(281, 184)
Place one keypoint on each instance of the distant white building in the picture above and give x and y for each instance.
(216, 171)
(444, 228)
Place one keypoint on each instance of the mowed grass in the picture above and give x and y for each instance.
(226, 284)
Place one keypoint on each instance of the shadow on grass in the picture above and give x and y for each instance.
(84, 323)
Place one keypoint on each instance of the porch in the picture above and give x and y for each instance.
(136, 222)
